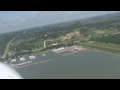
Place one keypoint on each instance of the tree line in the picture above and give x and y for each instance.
(115, 39)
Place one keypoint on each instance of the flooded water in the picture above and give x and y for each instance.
(79, 65)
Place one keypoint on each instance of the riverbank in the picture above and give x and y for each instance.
(70, 53)
(101, 49)
(85, 50)
(104, 52)
(40, 53)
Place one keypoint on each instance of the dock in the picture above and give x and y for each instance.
(72, 48)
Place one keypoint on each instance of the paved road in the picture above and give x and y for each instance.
(4, 55)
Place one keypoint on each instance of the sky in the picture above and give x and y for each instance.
(16, 20)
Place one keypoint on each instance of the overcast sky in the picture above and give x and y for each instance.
(16, 20)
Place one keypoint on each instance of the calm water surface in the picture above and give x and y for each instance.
(80, 65)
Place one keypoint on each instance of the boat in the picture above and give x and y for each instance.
(22, 59)
(13, 60)
(32, 57)
(44, 54)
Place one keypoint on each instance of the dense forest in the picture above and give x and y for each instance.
(115, 39)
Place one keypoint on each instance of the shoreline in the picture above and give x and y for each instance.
(62, 55)
(104, 52)
(70, 53)
(79, 51)
(66, 54)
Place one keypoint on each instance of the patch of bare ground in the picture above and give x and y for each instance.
(68, 36)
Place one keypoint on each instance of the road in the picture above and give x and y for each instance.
(4, 55)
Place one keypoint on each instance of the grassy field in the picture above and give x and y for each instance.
(100, 48)
(36, 52)
(49, 42)
(110, 45)
(40, 52)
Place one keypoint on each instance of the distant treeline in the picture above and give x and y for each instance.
(115, 39)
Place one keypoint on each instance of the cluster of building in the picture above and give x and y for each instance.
(61, 49)
(16, 65)
(21, 59)
(12, 64)
(72, 48)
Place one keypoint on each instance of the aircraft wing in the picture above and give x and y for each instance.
(7, 72)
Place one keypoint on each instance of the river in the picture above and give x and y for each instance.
(79, 65)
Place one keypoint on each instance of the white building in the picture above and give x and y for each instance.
(14, 60)
(32, 57)
(58, 49)
(22, 59)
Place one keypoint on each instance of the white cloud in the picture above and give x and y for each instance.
(45, 17)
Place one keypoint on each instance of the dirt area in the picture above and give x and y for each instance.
(68, 36)
(99, 32)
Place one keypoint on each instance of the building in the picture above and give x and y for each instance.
(58, 49)
(22, 59)
(14, 60)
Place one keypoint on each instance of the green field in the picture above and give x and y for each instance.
(110, 45)
(101, 48)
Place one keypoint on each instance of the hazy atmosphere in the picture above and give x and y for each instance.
(60, 45)
(15, 20)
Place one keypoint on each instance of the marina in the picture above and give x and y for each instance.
(66, 49)
(71, 64)
(25, 61)
(74, 65)
(68, 65)
(15, 63)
